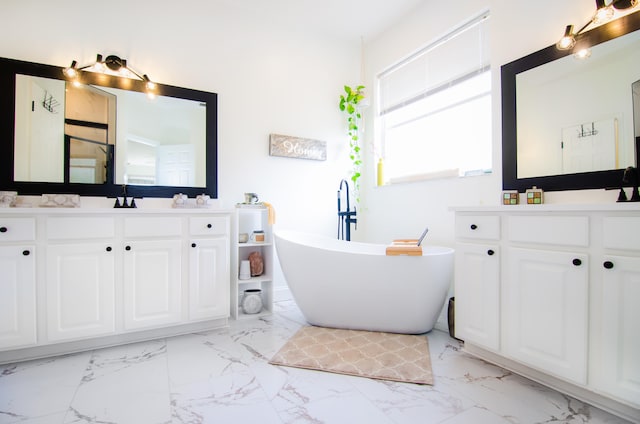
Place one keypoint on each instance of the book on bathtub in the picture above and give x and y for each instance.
(408, 247)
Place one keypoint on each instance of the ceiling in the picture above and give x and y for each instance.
(344, 19)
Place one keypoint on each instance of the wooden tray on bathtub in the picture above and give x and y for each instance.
(406, 247)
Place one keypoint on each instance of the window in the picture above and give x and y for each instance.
(434, 110)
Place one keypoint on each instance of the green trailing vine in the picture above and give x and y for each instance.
(349, 104)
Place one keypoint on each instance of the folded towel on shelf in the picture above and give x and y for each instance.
(271, 213)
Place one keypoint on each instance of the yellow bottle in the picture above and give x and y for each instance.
(380, 172)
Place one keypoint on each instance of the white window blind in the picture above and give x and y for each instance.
(434, 107)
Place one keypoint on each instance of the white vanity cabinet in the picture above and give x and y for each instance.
(80, 277)
(545, 311)
(563, 307)
(152, 283)
(109, 276)
(477, 284)
(152, 271)
(209, 287)
(545, 291)
(618, 369)
(17, 282)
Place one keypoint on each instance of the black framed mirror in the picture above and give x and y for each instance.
(622, 31)
(138, 148)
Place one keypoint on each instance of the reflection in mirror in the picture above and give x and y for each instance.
(569, 121)
(90, 123)
(67, 133)
(161, 141)
(39, 129)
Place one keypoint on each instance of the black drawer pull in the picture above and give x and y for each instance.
(127, 248)
(26, 252)
(193, 245)
(577, 262)
(108, 249)
(608, 264)
(209, 226)
(490, 252)
(474, 227)
(3, 229)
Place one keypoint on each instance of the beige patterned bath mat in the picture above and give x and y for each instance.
(385, 356)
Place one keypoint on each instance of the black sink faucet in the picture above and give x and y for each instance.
(630, 177)
(125, 202)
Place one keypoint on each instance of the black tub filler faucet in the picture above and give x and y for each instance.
(346, 217)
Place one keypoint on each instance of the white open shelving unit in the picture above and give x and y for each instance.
(247, 219)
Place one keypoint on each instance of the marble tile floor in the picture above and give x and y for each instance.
(223, 376)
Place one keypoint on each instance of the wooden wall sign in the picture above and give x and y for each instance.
(296, 147)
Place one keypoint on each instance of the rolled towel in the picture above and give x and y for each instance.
(271, 213)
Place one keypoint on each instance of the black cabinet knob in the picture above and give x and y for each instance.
(26, 252)
(608, 264)
(209, 226)
(490, 252)
(3, 229)
(474, 227)
(108, 249)
(127, 248)
(577, 262)
(193, 245)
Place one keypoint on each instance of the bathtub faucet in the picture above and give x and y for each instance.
(346, 217)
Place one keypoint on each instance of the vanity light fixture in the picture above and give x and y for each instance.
(111, 65)
(605, 10)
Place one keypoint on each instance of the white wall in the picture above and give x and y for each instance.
(517, 28)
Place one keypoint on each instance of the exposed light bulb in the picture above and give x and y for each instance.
(149, 84)
(568, 40)
(71, 71)
(603, 14)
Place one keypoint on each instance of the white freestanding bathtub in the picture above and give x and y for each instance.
(356, 286)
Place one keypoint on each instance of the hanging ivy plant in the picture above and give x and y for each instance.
(349, 104)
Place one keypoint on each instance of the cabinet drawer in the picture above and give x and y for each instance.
(161, 226)
(209, 225)
(478, 227)
(621, 232)
(68, 228)
(17, 229)
(555, 230)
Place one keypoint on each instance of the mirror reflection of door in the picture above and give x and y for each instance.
(176, 165)
(39, 129)
(89, 134)
(591, 146)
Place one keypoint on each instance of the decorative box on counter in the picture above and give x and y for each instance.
(535, 196)
(510, 197)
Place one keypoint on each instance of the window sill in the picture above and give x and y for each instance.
(439, 175)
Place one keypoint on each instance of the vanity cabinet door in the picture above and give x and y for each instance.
(208, 279)
(546, 311)
(620, 335)
(80, 283)
(477, 292)
(17, 296)
(152, 283)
